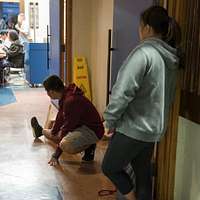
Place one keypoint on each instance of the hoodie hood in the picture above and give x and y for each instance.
(72, 89)
(168, 53)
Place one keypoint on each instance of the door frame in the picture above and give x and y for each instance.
(166, 149)
(62, 39)
(21, 6)
(66, 40)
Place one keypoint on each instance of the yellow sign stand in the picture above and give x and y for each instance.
(81, 77)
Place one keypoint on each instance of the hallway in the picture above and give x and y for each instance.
(24, 172)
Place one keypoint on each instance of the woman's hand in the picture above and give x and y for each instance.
(109, 132)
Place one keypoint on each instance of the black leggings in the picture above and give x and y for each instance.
(123, 150)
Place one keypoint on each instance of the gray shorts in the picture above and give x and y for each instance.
(78, 140)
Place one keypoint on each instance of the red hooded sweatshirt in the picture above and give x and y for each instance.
(76, 110)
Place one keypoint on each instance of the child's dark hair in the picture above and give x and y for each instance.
(157, 17)
(53, 83)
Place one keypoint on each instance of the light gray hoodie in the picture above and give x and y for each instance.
(144, 90)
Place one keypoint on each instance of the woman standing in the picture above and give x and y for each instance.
(138, 111)
(23, 28)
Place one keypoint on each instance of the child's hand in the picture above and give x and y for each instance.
(53, 161)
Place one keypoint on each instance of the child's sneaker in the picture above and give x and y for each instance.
(37, 129)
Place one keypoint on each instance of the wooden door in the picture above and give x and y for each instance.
(60, 39)
(68, 41)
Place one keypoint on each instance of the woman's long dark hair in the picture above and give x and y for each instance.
(157, 17)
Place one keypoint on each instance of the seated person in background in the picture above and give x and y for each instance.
(4, 42)
(15, 47)
(3, 24)
(12, 54)
(78, 126)
(14, 51)
(4, 39)
(3, 35)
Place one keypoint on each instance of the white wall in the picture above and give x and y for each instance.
(41, 33)
(91, 21)
(81, 28)
(102, 21)
(187, 178)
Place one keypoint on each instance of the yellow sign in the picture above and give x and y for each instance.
(81, 77)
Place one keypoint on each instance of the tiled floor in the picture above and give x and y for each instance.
(24, 172)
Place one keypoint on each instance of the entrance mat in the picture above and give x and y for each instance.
(6, 96)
